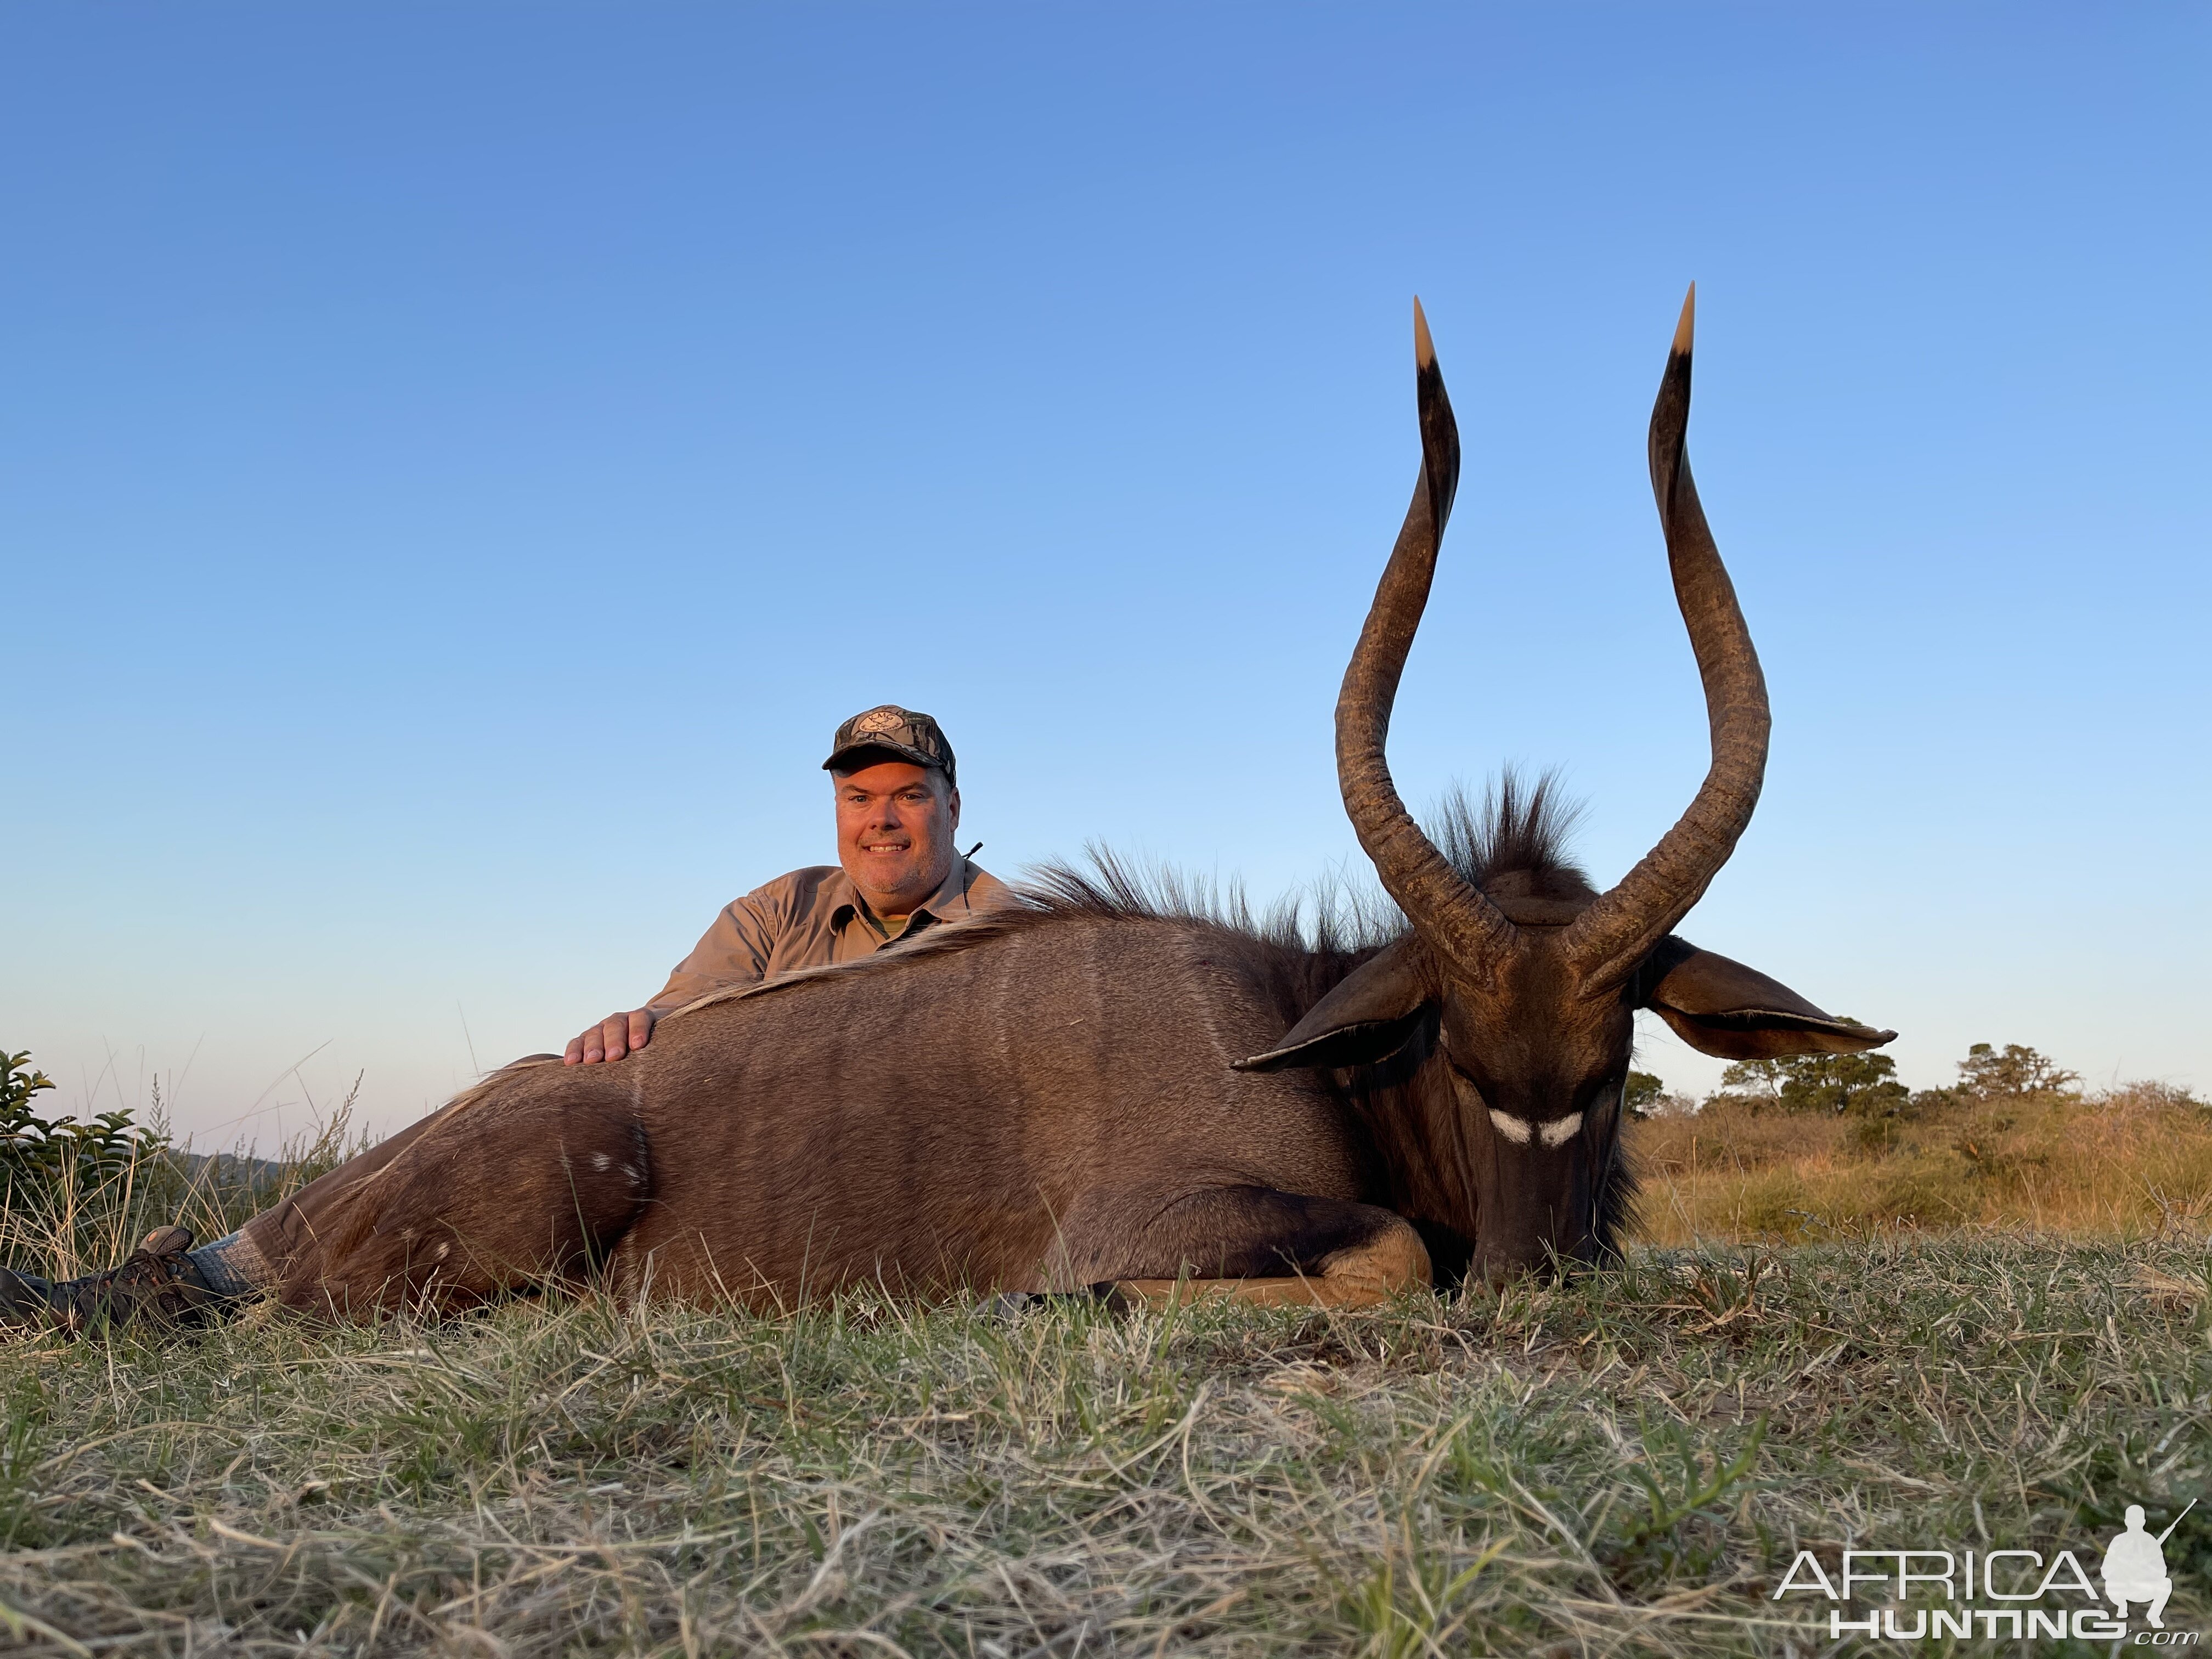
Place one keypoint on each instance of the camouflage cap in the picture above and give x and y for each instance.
(894, 731)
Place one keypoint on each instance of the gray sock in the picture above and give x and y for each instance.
(230, 1265)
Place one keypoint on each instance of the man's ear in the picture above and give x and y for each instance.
(1722, 1007)
(1372, 1014)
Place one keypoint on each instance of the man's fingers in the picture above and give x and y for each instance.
(611, 1039)
(617, 1035)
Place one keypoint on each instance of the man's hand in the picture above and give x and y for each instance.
(611, 1038)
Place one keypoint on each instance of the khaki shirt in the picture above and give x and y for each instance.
(809, 918)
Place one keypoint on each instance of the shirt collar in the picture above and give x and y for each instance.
(951, 899)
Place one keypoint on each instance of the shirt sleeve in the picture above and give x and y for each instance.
(734, 951)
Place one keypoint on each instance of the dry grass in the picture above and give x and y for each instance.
(2133, 1163)
(1621, 1464)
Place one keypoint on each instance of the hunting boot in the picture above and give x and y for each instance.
(157, 1283)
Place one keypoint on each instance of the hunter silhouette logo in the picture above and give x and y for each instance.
(2135, 1567)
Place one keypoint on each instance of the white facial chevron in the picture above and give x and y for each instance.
(1519, 1129)
(1560, 1134)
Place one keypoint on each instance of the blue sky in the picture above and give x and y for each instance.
(457, 465)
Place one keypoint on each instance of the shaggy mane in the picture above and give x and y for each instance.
(1331, 916)
(1520, 828)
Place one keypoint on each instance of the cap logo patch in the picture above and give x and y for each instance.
(878, 720)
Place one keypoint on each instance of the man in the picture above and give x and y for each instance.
(898, 805)
(897, 874)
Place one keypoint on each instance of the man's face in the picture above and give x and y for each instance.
(895, 826)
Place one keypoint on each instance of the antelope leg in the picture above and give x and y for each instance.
(506, 1188)
(1267, 1248)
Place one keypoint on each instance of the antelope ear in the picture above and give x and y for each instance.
(1371, 1015)
(1722, 1007)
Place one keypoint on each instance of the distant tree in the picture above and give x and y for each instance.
(1987, 1074)
(1861, 1085)
(1753, 1083)
(1645, 1092)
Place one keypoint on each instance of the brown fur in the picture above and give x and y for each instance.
(423, 1224)
(967, 1115)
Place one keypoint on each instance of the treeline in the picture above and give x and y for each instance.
(1864, 1087)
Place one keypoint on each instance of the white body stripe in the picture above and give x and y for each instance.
(1515, 1129)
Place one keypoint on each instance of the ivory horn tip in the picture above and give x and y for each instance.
(1688, 326)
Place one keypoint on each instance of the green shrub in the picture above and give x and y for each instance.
(42, 1157)
(18, 1085)
(77, 1197)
